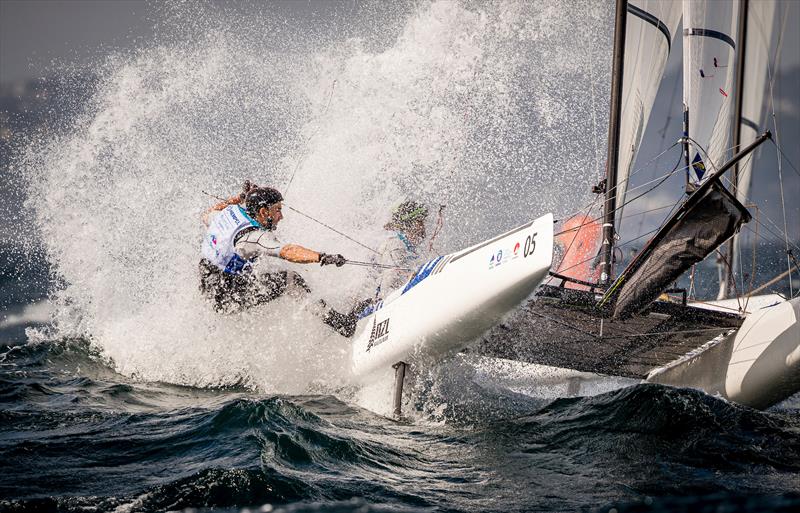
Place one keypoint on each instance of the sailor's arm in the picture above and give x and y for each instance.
(260, 243)
(233, 200)
(299, 255)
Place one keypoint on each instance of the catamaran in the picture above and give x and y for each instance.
(636, 323)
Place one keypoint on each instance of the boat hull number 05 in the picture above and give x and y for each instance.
(530, 245)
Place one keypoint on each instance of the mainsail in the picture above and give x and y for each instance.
(642, 41)
(651, 26)
(708, 65)
(760, 20)
(756, 29)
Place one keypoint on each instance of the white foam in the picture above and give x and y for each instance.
(484, 109)
(35, 313)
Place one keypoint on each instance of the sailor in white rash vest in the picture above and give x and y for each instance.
(239, 235)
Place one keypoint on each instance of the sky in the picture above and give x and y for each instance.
(38, 35)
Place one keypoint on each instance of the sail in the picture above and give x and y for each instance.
(708, 217)
(709, 50)
(686, 239)
(758, 42)
(650, 28)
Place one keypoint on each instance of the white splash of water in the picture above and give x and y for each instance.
(484, 109)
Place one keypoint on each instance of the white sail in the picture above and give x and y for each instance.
(759, 40)
(709, 30)
(758, 43)
(651, 27)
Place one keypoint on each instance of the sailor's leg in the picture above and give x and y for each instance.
(399, 378)
(344, 324)
(296, 286)
(224, 290)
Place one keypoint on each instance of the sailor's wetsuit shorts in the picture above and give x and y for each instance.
(234, 292)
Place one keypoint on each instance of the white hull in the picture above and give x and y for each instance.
(757, 365)
(453, 299)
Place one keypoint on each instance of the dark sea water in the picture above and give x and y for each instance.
(77, 436)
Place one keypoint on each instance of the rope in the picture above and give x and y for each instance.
(331, 228)
(777, 144)
(571, 242)
(676, 332)
(660, 179)
(378, 266)
(305, 153)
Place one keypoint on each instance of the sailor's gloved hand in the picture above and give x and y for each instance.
(326, 259)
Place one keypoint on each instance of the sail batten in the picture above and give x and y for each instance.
(709, 51)
(651, 25)
(660, 25)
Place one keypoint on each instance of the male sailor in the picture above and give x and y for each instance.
(237, 237)
(401, 249)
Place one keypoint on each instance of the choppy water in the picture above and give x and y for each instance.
(124, 391)
(77, 436)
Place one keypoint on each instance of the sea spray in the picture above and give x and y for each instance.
(483, 108)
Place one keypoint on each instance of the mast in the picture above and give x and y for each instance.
(727, 286)
(610, 206)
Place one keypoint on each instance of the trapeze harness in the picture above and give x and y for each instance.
(219, 243)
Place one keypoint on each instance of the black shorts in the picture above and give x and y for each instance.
(233, 292)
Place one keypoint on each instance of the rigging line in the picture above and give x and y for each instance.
(377, 266)
(562, 271)
(305, 153)
(753, 262)
(315, 220)
(730, 270)
(626, 202)
(331, 228)
(662, 180)
(786, 158)
(777, 235)
(773, 281)
(683, 168)
(578, 230)
(785, 231)
(772, 79)
(752, 265)
(677, 332)
(616, 185)
(780, 233)
(643, 212)
(639, 169)
(212, 195)
(715, 305)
